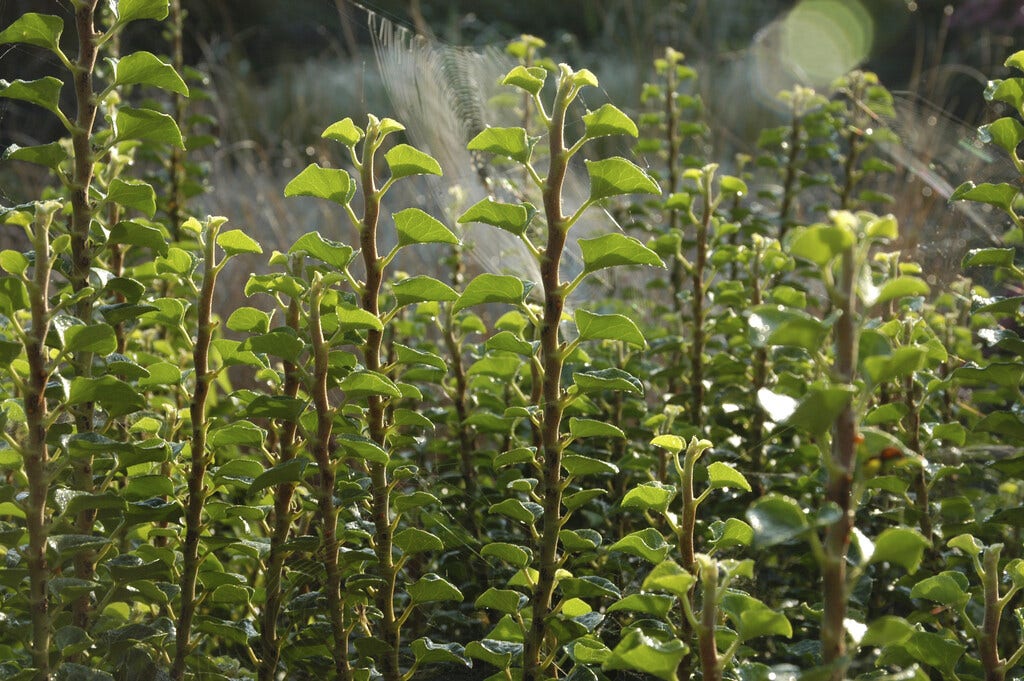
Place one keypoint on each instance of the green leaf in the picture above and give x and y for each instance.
(350, 318)
(508, 142)
(249, 320)
(333, 253)
(133, 194)
(235, 242)
(607, 379)
(44, 92)
(655, 605)
(530, 79)
(491, 288)
(818, 410)
(116, 396)
(639, 652)
(516, 556)
(344, 131)
(649, 496)
(414, 540)
(578, 465)
(670, 577)
(40, 30)
(885, 631)
(290, 471)
(1000, 195)
(753, 618)
(432, 588)
(48, 155)
(882, 227)
(144, 68)
(238, 433)
(988, 257)
(614, 249)
(506, 341)
(503, 600)
(902, 546)
(593, 428)
(427, 652)
(95, 338)
(902, 287)
(734, 532)
(1010, 90)
(673, 443)
(950, 588)
(777, 325)
(422, 289)
(722, 475)
(821, 243)
(137, 234)
(615, 176)
(934, 650)
(135, 10)
(608, 120)
(146, 125)
(511, 217)
(333, 184)
(495, 653)
(417, 499)
(616, 327)
(1006, 133)
(360, 384)
(364, 448)
(776, 519)
(417, 227)
(904, 361)
(646, 543)
(524, 512)
(405, 160)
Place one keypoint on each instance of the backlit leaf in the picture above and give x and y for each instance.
(616, 176)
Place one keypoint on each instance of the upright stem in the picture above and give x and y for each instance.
(697, 346)
(995, 669)
(325, 493)
(270, 643)
(200, 459)
(840, 483)
(552, 359)
(36, 452)
(710, 665)
(176, 162)
(81, 262)
(380, 488)
(760, 380)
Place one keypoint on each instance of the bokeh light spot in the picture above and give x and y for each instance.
(824, 39)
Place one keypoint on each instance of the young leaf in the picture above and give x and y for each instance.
(1000, 195)
(508, 142)
(144, 68)
(646, 543)
(48, 155)
(592, 428)
(333, 184)
(427, 652)
(491, 288)
(135, 10)
(405, 160)
(422, 289)
(614, 249)
(530, 79)
(902, 287)
(40, 30)
(901, 545)
(753, 618)
(147, 125)
(235, 242)
(649, 496)
(821, 243)
(607, 379)
(618, 327)
(344, 131)
(137, 234)
(1006, 133)
(414, 540)
(608, 120)
(44, 92)
(615, 176)
(989, 257)
(135, 194)
(639, 652)
(578, 465)
(360, 384)
(655, 605)
(722, 475)
(415, 226)
(775, 519)
(290, 471)
(511, 217)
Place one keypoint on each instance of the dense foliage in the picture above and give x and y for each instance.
(798, 457)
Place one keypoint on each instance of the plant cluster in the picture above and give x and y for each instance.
(795, 459)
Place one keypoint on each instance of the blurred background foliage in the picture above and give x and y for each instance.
(281, 71)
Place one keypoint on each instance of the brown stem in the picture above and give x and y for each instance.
(176, 162)
(840, 483)
(710, 665)
(988, 642)
(36, 452)
(200, 457)
(270, 643)
(380, 488)
(552, 358)
(325, 492)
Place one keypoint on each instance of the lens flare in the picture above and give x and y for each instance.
(823, 39)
